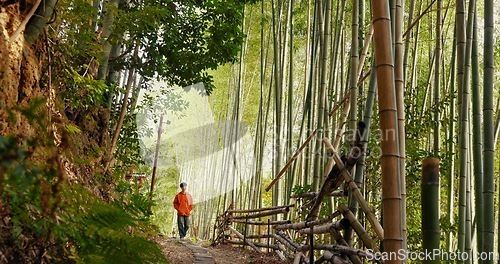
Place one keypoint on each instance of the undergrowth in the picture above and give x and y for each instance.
(45, 218)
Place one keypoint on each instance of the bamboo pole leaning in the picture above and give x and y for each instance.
(257, 244)
(356, 192)
(240, 236)
(324, 229)
(292, 159)
(301, 225)
(262, 214)
(334, 179)
(358, 228)
(258, 223)
(335, 248)
(336, 193)
(244, 211)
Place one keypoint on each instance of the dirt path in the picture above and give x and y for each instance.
(184, 252)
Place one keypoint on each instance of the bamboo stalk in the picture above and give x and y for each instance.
(290, 162)
(329, 256)
(262, 214)
(301, 225)
(257, 236)
(240, 236)
(343, 119)
(283, 249)
(477, 139)
(430, 207)
(338, 225)
(285, 242)
(259, 223)
(364, 53)
(488, 132)
(400, 90)
(391, 186)
(336, 193)
(357, 194)
(236, 211)
(335, 248)
(22, 26)
(257, 244)
(334, 178)
(358, 228)
(417, 20)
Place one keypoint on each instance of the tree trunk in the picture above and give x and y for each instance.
(489, 147)
(477, 140)
(391, 185)
(430, 207)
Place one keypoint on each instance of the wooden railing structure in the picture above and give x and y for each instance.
(297, 240)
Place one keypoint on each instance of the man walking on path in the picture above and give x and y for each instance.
(183, 203)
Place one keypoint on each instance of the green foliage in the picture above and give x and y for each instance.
(47, 219)
(83, 91)
(128, 151)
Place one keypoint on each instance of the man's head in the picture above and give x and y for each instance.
(183, 186)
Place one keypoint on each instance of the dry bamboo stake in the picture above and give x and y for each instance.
(301, 225)
(338, 225)
(234, 211)
(308, 204)
(240, 236)
(338, 237)
(334, 179)
(357, 194)
(298, 257)
(288, 238)
(336, 193)
(258, 236)
(284, 242)
(410, 27)
(292, 159)
(283, 249)
(335, 248)
(364, 52)
(345, 113)
(337, 106)
(341, 241)
(257, 244)
(280, 255)
(273, 223)
(262, 214)
(358, 228)
(23, 24)
(329, 256)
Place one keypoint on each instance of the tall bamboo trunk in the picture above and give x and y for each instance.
(451, 153)
(360, 166)
(391, 186)
(477, 139)
(437, 80)
(399, 85)
(430, 207)
(277, 102)
(488, 132)
(463, 120)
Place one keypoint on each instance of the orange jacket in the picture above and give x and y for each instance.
(183, 203)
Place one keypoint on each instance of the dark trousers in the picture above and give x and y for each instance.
(183, 225)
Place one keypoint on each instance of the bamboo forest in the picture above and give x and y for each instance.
(249, 131)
